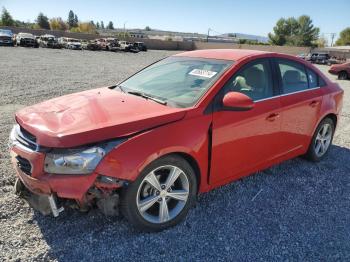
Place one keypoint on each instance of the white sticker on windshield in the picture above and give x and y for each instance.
(203, 73)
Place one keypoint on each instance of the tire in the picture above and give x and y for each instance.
(314, 154)
(343, 75)
(151, 219)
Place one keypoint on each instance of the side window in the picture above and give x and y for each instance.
(321, 82)
(253, 80)
(313, 78)
(293, 76)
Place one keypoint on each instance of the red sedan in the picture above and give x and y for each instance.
(182, 126)
(341, 70)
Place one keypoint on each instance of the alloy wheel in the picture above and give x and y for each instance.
(162, 194)
(323, 139)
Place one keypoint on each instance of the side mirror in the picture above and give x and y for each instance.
(235, 101)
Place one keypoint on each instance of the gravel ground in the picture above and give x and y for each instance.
(295, 211)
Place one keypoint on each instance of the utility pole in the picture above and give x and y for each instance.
(124, 30)
(332, 37)
(208, 34)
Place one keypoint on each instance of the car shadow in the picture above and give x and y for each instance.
(296, 210)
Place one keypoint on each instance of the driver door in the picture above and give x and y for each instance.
(245, 140)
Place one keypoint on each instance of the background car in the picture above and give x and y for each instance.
(140, 46)
(73, 44)
(6, 37)
(341, 70)
(322, 58)
(90, 45)
(26, 39)
(302, 56)
(108, 44)
(49, 41)
(125, 46)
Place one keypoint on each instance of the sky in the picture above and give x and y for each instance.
(223, 16)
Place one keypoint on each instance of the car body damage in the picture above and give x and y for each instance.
(182, 126)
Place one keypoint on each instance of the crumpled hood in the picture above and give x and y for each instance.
(93, 116)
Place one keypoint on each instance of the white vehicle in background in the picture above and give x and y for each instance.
(125, 46)
(26, 39)
(70, 43)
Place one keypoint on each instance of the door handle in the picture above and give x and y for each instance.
(272, 117)
(314, 103)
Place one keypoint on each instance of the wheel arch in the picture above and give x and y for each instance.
(192, 162)
(343, 71)
(332, 116)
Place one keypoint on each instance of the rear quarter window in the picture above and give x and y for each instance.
(293, 76)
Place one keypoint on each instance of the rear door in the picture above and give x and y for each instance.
(242, 140)
(300, 103)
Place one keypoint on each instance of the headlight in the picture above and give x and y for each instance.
(77, 161)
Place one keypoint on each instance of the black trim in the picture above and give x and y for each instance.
(210, 145)
(239, 109)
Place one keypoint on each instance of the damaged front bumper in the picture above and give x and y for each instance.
(45, 204)
(47, 193)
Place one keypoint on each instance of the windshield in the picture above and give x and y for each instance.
(179, 81)
(7, 32)
(26, 35)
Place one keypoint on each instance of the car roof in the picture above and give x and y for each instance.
(224, 54)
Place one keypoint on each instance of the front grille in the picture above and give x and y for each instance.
(24, 165)
(28, 135)
(5, 38)
(25, 138)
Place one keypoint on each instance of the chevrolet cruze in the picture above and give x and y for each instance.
(181, 126)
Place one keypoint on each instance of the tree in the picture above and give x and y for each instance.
(307, 33)
(70, 20)
(147, 28)
(76, 20)
(97, 25)
(295, 32)
(321, 42)
(43, 21)
(58, 24)
(6, 18)
(102, 25)
(110, 25)
(84, 28)
(344, 38)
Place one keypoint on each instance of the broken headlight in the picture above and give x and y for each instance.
(79, 160)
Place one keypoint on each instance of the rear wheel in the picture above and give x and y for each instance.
(321, 140)
(161, 196)
(343, 75)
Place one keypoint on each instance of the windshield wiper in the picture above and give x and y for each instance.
(137, 93)
(121, 88)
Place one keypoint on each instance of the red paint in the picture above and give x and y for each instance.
(238, 100)
(336, 69)
(243, 142)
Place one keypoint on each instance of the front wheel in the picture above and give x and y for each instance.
(321, 140)
(343, 75)
(161, 196)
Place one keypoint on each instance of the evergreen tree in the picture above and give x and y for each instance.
(43, 21)
(110, 25)
(75, 20)
(70, 20)
(6, 18)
